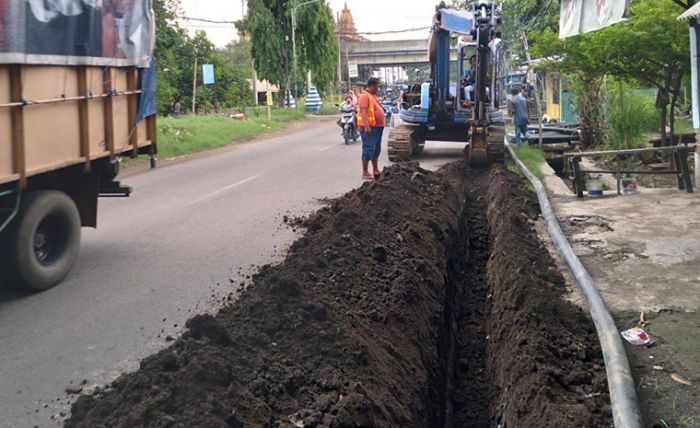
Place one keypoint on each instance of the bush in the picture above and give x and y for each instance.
(632, 116)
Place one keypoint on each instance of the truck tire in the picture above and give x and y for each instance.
(44, 241)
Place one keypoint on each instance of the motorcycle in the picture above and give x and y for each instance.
(347, 120)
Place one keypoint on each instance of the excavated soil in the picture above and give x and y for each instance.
(419, 300)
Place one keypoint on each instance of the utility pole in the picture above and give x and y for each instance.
(294, 43)
(194, 84)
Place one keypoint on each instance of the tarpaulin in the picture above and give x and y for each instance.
(584, 16)
(147, 100)
(77, 32)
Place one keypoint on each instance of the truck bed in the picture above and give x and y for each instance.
(53, 117)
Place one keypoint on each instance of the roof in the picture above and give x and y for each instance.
(691, 13)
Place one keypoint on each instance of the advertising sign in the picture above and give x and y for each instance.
(77, 32)
(352, 70)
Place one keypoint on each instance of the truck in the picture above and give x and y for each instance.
(76, 95)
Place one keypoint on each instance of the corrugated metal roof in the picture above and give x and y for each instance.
(693, 12)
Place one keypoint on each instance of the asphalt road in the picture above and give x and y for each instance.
(191, 232)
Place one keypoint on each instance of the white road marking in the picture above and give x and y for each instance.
(223, 189)
(323, 149)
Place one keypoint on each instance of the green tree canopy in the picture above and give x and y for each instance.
(175, 53)
(642, 48)
(270, 28)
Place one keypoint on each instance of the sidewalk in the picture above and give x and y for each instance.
(643, 252)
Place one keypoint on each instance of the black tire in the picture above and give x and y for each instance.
(346, 137)
(44, 240)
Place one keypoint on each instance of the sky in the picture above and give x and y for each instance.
(370, 15)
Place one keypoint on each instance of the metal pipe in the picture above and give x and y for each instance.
(623, 395)
(66, 99)
(15, 210)
(628, 151)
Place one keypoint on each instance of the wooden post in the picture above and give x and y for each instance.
(83, 117)
(17, 114)
(194, 85)
(132, 102)
(108, 110)
(578, 176)
(683, 161)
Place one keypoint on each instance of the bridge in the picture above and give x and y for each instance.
(388, 53)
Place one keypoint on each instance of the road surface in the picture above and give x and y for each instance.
(191, 232)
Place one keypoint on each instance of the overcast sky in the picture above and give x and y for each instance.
(370, 15)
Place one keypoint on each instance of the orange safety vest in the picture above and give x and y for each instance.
(371, 118)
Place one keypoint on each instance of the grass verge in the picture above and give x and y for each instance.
(190, 134)
(532, 157)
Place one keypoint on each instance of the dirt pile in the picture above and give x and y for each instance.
(403, 305)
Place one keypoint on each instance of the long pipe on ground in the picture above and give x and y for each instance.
(623, 395)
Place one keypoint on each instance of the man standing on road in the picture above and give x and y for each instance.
(371, 122)
(517, 107)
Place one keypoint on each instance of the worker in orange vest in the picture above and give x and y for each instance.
(371, 121)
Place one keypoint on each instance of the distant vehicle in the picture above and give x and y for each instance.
(65, 119)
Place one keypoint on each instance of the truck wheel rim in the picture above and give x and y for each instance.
(49, 241)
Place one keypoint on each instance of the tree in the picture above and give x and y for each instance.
(317, 47)
(270, 28)
(650, 48)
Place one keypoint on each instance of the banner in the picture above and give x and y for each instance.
(208, 74)
(77, 32)
(583, 16)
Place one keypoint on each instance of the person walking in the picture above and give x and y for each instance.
(371, 122)
(517, 107)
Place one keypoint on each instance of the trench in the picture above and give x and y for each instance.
(465, 382)
(425, 299)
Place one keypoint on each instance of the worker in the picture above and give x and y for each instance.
(469, 79)
(371, 122)
(517, 108)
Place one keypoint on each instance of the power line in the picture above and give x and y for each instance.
(188, 18)
(368, 33)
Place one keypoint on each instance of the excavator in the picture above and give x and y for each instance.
(456, 105)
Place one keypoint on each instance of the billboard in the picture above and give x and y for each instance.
(583, 16)
(77, 32)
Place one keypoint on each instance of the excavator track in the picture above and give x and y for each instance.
(404, 141)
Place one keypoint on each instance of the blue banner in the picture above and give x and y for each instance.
(208, 74)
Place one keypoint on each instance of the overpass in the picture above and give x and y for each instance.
(388, 53)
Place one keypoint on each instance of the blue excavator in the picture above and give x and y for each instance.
(457, 103)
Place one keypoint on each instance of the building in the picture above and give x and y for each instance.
(345, 27)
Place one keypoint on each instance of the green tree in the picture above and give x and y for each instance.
(650, 49)
(317, 48)
(169, 38)
(270, 28)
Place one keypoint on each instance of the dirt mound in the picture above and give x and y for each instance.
(403, 305)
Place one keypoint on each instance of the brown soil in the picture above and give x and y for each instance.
(422, 299)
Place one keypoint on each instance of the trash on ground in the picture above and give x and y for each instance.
(681, 379)
(636, 336)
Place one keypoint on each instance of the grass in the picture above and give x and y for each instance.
(532, 157)
(190, 134)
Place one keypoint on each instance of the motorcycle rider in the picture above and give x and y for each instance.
(348, 109)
